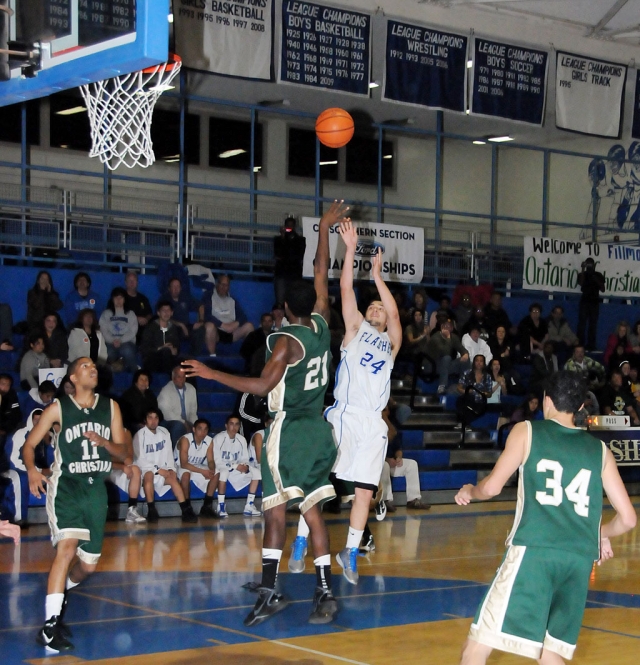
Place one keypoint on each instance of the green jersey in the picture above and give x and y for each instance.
(76, 456)
(560, 490)
(304, 383)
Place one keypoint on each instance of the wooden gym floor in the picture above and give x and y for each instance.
(173, 593)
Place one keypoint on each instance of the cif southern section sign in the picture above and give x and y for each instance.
(402, 250)
(624, 443)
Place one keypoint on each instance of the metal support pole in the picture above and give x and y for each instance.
(438, 202)
(318, 193)
(23, 170)
(546, 173)
(380, 192)
(182, 207)
(252, 188)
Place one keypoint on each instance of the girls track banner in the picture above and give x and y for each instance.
(402, 250)
(589, 95)
(233, 38)
(554, 265)
(426, 67)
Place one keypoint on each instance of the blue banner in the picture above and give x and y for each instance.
(635, 128)
(425, 66)
(325, 47)
(509, 81)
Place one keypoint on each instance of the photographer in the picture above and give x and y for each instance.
(592, 284)
(288, 249)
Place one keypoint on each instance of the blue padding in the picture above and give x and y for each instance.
(196, 493)
(398, 484)
(446, 480)
(216, 401)
(488, 421)
(431, 458)
(412, 438)
(449, 402)
(216, 418)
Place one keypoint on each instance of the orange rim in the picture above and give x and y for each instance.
(173, 61)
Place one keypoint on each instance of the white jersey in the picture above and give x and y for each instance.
(197, 452)
(153, 450)
(228, 453)
(363, 377)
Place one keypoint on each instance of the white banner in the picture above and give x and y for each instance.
(234, 38)
(554, 265)
(55, 374)
(589, 94)
(402, 250)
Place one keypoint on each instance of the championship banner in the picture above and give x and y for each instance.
(554, 265)
(425, 66)
(624, 443)
(589, 95)
(635, 128)
(233, 38)
(509, 81)
(402, 250)
(325, 47)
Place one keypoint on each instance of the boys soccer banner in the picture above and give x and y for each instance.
(554, 265)
(402, 250)
(589, 95)
(234, 37)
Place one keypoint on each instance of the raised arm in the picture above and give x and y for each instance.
(394, 327)
(352, 317)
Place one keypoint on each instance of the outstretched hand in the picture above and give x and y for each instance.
(376, 270)
(337, 213)
(349, 235)
(196, 368)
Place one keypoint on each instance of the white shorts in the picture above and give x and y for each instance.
(239, 480)
(119, 479)
(361, 439)
(159, 486)
(196, 478)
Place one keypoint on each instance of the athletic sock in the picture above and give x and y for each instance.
(151, 505)
(251, 498)
(354, 538)
(184, 505)
(221, 498)
(133, 503)
(53, 605)
(208, 502)
(323, 571)
(303, 528)
(270, 564)
(71, 584)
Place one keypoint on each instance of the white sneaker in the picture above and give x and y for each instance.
(134, 517)
(251, 511)
(222, 511)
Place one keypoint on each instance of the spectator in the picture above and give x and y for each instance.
(137, 302)
(495, 315)
(137, 400)
(55, 340)
(479, 378)
(288, 250)
(464, 311)
(533, 332)
(6, 327)
(528, 410)
(153, 454)
(66, 387)
(560, 333)
(591, 284)
(255, 344)
(179, 405)
(444, 311)
(85, 340)
(161, 341)
(627, 383)
(476, 320)
(499, 386)
(182, 304)
(501, 347)
(635, 383)
(40, 397)
(279, 319)
(443, 347)
(543, 366)
(42, 299)
(475, 345)
(616, 400)
(592, 371)
(119, 326)
(634, 340)
(32, 361)
(416, 335)
(81, 298)
(419, 301)
(10, 413)
(619, 338)
(128, 477)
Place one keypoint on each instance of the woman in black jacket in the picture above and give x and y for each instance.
(41, 299)
(136, 401)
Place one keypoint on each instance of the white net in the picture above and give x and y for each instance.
(120, 111)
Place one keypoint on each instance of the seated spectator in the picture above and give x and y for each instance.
(533, 332)
(161, 341)
(255, 344)
(464, 311)
(443, 347)
(10, 413)
(495, 315)
(627, 383)
(6, 327)
(153, 454)
(66, 387)
(418, 301)
(55, 340)
(179, 405)
(477, 320)
(137, 400)
(279, 319)
(618, 356)
(85, 340)
(416, 336)
(634, 340)
(128, 477)
(499, 386)
(635, 383)
(33, 361)
(40, 397)
(475, 345)
(563, 338)
(42, 299)
(444, 311)
(81, 298)
(196, 465)
(137, 302)
(592, 371)
(616, 400)
(528, 410)
(119, 326)
(501, 347)
(618, 344)
(182, 304)
(543, 366)
(479, 378)
(231, 456)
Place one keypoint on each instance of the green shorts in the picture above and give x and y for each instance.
(535, 601)
(77, 508)
(297, 459)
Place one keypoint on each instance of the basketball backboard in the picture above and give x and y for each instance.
(80, 41)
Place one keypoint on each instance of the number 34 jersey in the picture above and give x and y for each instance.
(363, 377)
(560, 490)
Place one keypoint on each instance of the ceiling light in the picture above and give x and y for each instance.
(256, 169)
(72, 110)
(469, 64)
(499, 139)
(64, 145)
(170, 160)
(170, 17)
(335, 161)
(468, 111)
(479, 142)
(387, 156)
(231, 153)
(173, 156)
(374, 84)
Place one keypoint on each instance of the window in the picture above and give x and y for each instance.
(11, 122)
(302, 156)
(165, 135)
(69, 121)
(362, 161)
(230, 144)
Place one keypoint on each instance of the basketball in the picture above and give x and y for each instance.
(334, 128)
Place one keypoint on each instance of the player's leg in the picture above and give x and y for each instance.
(347, 558)
(149, 494)
(249, 508)
(133, 516)
(210, 337)
(550, 658)
(185, 505)
(299, 547)
(207, 505)
(222, 488)
(474, 653)
(185, 483)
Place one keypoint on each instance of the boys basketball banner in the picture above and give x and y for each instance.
(325, 47)
(589, 95)
(234, 38)
(509, 81)
(554, 265)
(402, 250)
(425, 66)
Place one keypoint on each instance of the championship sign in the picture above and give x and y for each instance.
(402, 250)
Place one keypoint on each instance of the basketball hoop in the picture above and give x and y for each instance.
(120, 111)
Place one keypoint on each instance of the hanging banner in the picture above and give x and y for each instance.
(554, 265)
(425, 66)
(589, 95)
(402, 250)
(234, 38)
(635, 128)
(325, 47)
(509, 81)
